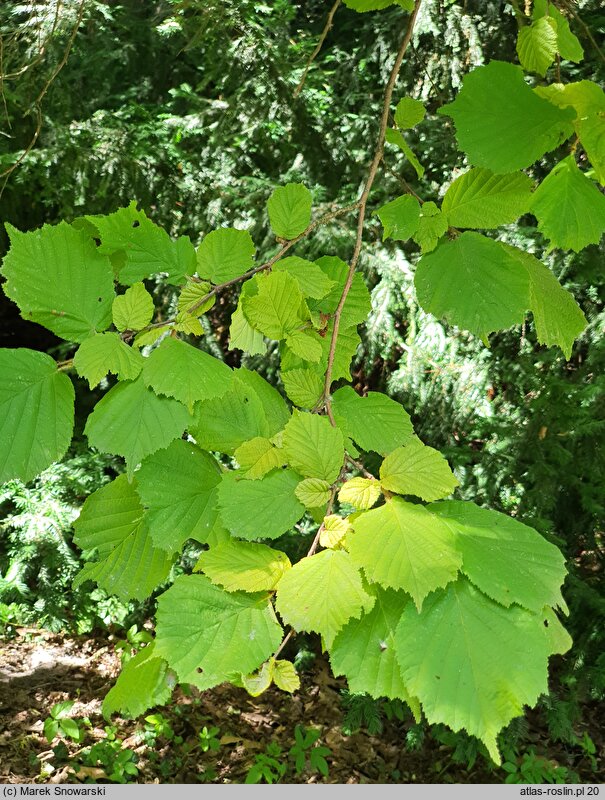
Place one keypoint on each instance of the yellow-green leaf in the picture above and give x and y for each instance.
(258, 682)
(361, 493)
(335, 528)
(285, 676)
(248, 566)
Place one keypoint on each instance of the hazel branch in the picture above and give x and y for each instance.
(286, 246)
(274, 259)
(388, 95)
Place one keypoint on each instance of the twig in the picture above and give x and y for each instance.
(404, 184)
(41, 49)
(329, 508)
(362, 205)
(521, 18)
(285, 641)
(359, 466)
(4, 103)
(315, 52)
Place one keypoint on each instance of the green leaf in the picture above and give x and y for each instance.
(508, 561)
(261, 509)
(51, 728)
(493, 112)
(480, 199)
(400, 218)
(361, 493)
(289, 210)
(569, 207)
(178, 488)
(475, 283)
(346, 346)
(106, 352)
(188, 324)
(591, 131)
(313, 492)
(409, 113)
(306, 345)
(258, 457)
(587, 100)
(332, 589)
(243, 565)
(191, 294)
(488, 661)
(419, 470)
(313, 447)
(207, 634)
(397, 138)
(508, 282)
(432, 226)
(557, 317)
(62, 709)
(242, 335)
(36, 413)
(275, 309)
(225, 254)
(364, 651)
(358, 303)
(134, 309)
(147, 249)
(131, 421)
(390, 426)
(112, 523)
(568, 44)
(143, 683)
(403, 546)
(180, 370)
(303, 386)
(274, 406)
(312, 280)
(69, 727)
(285, 676)
(147, 338)
(378, 5)
(72, 294)
(227, 422)
(537, 45)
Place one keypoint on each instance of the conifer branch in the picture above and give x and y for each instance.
(317, 50)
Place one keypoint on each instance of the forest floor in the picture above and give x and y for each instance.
(39, 669)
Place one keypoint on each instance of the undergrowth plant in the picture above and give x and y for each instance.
(60, 724)
(439, 603)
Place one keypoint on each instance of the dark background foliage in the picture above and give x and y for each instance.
(188, 107)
